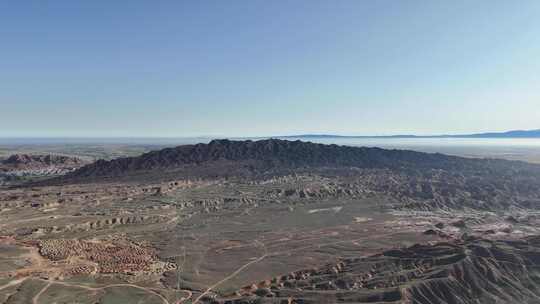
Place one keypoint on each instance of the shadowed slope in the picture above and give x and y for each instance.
(275, 154)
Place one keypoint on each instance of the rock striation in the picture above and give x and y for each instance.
(472, 271)
(19, 166)
(27, 161)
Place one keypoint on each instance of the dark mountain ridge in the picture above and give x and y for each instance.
(275, 154)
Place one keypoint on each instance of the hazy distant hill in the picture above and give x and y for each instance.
(508, 134)
(33, 162)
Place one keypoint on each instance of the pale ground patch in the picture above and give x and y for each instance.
(333, 209)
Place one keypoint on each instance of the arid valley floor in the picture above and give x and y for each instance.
(270, 221)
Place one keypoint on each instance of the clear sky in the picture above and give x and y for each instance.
(248, 68)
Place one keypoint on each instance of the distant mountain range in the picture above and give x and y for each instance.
(508, 134)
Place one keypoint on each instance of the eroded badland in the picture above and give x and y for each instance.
(274, 222)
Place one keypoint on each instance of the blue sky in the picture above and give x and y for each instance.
(249, 68)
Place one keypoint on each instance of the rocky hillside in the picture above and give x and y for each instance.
(274, 154)
(28, 162)
(20, 166)
(473, 271)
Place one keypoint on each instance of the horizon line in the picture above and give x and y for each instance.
(329, 135)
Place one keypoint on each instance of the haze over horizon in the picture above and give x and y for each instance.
(256, 68)
(535, 133)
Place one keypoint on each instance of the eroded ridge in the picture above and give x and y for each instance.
(469, 271)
